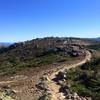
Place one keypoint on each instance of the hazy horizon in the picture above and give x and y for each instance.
(22, 20)
(11, 42)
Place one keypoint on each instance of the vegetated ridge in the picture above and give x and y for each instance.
(38, 52)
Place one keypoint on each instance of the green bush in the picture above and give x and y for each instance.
(85, 79)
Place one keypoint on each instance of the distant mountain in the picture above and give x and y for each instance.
(98, 38)
(5, 44)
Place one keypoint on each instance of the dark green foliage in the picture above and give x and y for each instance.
(46, 96)
(95, 47)
(71, 73)
(81, 89)
(91, 66)
(11, 65)
(85, 80)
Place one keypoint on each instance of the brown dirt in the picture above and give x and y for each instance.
(24, 84)
(56, 95)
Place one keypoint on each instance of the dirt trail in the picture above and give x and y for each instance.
(51, 84)
(56, 95)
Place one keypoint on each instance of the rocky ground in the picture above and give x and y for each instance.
(24, 83)
(54, 89)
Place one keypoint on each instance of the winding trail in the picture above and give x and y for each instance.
(54, 88)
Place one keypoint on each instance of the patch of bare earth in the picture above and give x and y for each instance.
(54, 87)
(24, 83)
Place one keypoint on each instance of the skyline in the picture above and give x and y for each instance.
(22, 20)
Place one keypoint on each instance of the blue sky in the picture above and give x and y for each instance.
(22, 20)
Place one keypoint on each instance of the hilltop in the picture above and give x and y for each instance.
(23, 64)
(38, 52)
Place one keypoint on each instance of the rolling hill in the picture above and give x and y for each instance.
(23, 65)
(39, 52)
